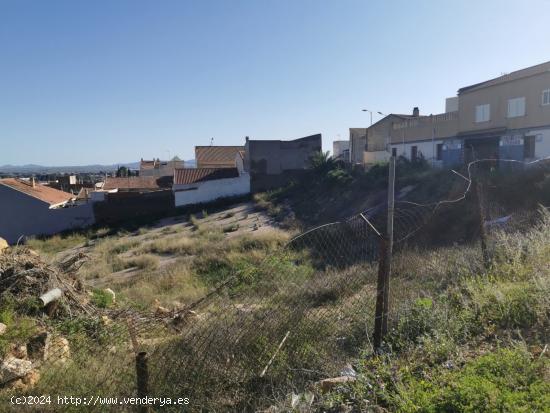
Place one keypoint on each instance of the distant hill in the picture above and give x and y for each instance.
(96, 168)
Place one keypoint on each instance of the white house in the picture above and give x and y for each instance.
(202, 185)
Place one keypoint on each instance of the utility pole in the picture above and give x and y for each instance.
(384, 266)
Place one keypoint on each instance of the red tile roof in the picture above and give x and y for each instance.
(148, 164)
(138, 182)
(217, 156)
(193, 175)
(46, 194)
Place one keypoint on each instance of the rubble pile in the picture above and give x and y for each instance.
(24, 275)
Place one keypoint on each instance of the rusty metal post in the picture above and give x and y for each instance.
(142, 375)
(384, 266)
(482, 231)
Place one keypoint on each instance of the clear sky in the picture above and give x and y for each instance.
(107, 81)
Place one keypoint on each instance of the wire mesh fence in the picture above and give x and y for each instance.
(300, 316)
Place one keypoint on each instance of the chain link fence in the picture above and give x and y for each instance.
(300, 316)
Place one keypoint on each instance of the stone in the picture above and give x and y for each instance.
(106, 320)
(13, 368)
(162, 310)
(328, 384)
(46, 347)
(31, 378)
(3, 328)
(36, 346)
(57, 349)
(20, 351)
(111, 293)
(3, 245)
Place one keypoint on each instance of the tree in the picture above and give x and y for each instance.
(321, 162)
(123, 172)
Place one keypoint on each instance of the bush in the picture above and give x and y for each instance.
(101, 298)
(508, 380)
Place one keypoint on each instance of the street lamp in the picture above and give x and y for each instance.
(370, 112)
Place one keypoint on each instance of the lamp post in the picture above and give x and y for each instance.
(370, 112)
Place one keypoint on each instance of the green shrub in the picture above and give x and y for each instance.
(508, 380)
(19, 328)
(101, 298)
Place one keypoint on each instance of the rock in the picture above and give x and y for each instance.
(46, 347)
(106, 320)
(3, 328)
(20, 352)
(348, 370)
(328, 384)
(13, 368)
(3, 245)
(57, 349)
(31, 378)
(162, 310)
(36, 346)
(111, 293)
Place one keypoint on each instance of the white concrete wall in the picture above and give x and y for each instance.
(542, 142)
(208, 191)
(426, 148)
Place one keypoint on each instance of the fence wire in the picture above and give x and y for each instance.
(300, 316)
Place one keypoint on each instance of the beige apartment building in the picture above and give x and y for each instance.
(506, 118)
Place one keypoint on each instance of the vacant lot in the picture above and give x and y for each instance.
(173, 261)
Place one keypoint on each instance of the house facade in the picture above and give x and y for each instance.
(202, 185)
(506, 118)
(28, 208)
(340, 150)
(274, 163)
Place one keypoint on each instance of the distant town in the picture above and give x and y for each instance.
(506, 118)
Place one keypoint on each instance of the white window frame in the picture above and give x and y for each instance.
(483, 113)
(516, 107)
(546, 97)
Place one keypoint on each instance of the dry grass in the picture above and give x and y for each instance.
(174, 246)
(171, 286)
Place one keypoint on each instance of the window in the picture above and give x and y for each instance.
(394, 152)
(546, 97)
(529, 147)
(414, 153)
(483, 113)
(439, 152)
(516, 107)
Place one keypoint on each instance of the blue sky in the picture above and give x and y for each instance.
(108, 81)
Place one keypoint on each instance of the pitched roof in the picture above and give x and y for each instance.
(217, 155)
(138, 182)
(193, 175)
(46, 194)
(518, 74)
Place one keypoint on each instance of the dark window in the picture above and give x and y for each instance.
(439, 151)
(414, 153)
(529, 147)
(394, 152)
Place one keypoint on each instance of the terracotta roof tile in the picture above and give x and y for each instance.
(194, 175)
(46, 194)
(221, 156)
(138, 182)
